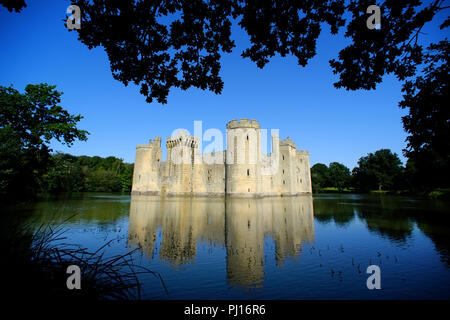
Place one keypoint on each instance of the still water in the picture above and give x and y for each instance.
(275, 248)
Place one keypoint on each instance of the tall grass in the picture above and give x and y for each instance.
(36, 262)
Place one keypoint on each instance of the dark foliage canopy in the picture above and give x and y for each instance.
(68, 173)
(428, 121)
(339, 175)
(28, 122)
(159, 45)
(37, 117)
(13, 5)
(163, 44)
(336, 175)
(380, 170)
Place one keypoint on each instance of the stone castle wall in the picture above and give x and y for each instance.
(240, 171)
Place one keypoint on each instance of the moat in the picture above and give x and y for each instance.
(273, 248)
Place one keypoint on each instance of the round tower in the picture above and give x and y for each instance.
(146, 168)
(243, 158)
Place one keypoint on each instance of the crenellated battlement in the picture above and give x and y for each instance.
(156, 142)
(143, 146)
(182, 138)
(151, 144)
(302, 153)
(288, 142)
(243, 123)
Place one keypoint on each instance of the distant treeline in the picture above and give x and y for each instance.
(380, 171)
(68, 173)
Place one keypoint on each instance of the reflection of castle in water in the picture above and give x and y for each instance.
(239, 224)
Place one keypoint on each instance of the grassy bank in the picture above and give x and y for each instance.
(439, 193)
(335, 190)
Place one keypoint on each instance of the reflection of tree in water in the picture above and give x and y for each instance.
(394, 217)
(435, 223)
(332, 209)
(380, 214)
(396, 228)
(87, 208)
(391, 217)
(439, 234)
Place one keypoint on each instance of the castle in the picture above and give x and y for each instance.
(240, 171)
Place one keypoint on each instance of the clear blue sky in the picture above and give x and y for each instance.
(334, 125)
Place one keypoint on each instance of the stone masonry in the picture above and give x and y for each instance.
(240, 171)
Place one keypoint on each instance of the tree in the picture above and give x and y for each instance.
(67, 173)
(28, 122)
(13, 5)
(159, 45)
(381, 170)
(428, 120)
(392, 49)
(339, 176)
(102, 180)
(319, 176)
(163, 44)
(63, 175)
(126, 177)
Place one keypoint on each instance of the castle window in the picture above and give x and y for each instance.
(283, 171)
(284, 182)
(301, 181)
(247, 137)
(248, 172)
(283, 156)
(248, 189)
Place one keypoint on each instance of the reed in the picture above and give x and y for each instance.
(37, 260)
